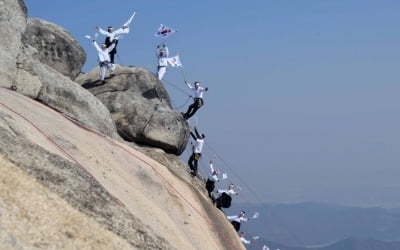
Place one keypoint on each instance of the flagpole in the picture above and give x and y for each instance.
(183, 74)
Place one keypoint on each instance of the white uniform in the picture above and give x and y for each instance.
(237, 218)
(115, 34)
(162, 54)
(227, 191)
(104, 60)
(247, 242)
(198, 93)
(198, 145)
(214, 176)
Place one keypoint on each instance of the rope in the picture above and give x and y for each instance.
(183, 75)
(297, 239)
(112, 142)
(176, 87)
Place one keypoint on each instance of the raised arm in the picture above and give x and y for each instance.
(193, 136)
(96, 46)
(123, 30)
(103, 32)
(166, 51)
(189, 86)
(197, 133)
(111, 47)
(247, 242)
(211, 167)
(232, 217)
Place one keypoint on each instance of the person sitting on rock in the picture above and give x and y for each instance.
(198, 99)
(210, 184)
(104, 59)
(224, 199)
(197, 148)
(112, 38)
(162, 54)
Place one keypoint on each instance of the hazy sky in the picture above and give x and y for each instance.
(303, 102)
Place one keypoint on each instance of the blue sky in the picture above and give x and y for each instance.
(303, 102)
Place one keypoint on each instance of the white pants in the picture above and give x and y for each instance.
(103, 67)
(161, 72)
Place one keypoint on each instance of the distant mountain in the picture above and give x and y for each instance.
(347, 244)
(316, 224)
(356, 244)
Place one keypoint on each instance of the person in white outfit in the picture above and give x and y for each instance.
(162, 54)
(243, 239)
(265, 247)
(210, 184)
(237, 219)
(104, 59)
(196, 154)
(225, 198)
(112, 37)
(198, 99)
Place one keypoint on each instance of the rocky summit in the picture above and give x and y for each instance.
(87, 165)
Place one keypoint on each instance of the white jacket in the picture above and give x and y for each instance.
(103, 55)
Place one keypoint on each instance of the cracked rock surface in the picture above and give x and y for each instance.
(140, 107)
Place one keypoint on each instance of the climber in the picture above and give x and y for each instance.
(104, 59)
(197, 148)
(225, 198)
(198, 99)
(243, 239)
(112, 36)
(237, 219)
(162, 54)
(210, 184)
(265, 247)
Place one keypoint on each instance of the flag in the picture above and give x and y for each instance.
(94, 37)
(127, 23)
(175, 61)
(164, 31)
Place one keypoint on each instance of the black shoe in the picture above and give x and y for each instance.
(103, 82)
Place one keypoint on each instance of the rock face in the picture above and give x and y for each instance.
(64, 187)
(55, 47)
(12, 25)
(140, 107)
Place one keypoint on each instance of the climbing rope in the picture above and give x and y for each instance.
(130, 152)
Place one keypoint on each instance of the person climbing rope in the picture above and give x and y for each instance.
(224, 199)
(162, 54)
(210, 184)
(197, 148)
(236, 220)
(246, 241)
(104, 59)
(198, 99)
(243, 239)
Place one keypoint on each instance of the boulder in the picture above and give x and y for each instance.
(55, 47)
(140, 107)
(12, 24)
(43, 83)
